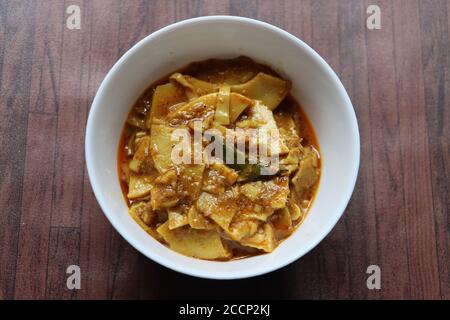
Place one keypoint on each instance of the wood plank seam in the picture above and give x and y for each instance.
(402, 170)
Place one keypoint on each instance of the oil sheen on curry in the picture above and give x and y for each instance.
(218, 210)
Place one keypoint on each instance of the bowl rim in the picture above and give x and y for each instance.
(166, 262)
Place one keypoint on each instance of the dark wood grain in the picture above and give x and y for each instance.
(387, 163)
(435, 42)
(360, 220)
(46, 66)
(398, 218)
(34, 234)
(417, 194)
(17, 36)
(72, 113)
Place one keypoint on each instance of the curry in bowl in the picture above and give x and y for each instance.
(208, 205)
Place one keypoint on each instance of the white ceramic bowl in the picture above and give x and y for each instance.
(315, 86)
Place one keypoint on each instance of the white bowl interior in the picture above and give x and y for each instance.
(315, 86)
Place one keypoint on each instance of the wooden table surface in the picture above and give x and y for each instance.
(398, 78)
